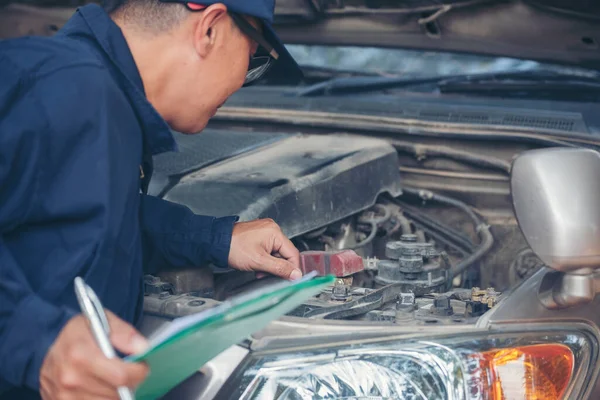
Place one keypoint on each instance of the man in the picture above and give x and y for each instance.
(81, 115)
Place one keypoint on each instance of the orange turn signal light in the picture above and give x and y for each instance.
(536, 372)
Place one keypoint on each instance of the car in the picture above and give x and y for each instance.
(441, 159)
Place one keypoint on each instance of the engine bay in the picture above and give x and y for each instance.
(400, 253)
(389, 268)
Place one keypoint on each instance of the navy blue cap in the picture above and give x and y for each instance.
(285, 70)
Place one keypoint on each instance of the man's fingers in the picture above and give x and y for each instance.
(136, 373)
(93, 396)
(279, 267)
(284, 246)
(92, 373)
(124, 336)
(117, 373)
(253, 245)
(108, 371)
(75, 368)
(97, 389)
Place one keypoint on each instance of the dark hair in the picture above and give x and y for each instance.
(153, 16)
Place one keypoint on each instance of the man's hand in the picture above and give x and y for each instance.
(261, 246)
(76, 368)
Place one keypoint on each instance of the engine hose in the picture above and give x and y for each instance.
(482, 229)
(374, 223)
(440, 232)
(486, 243)
(420, 235)
(404, 223)
(315, 234)
(420, 150)
(438, 198)
(387, 213)
(369, 239)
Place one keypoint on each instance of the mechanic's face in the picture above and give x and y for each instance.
(215, 68)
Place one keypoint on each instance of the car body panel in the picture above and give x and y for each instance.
(530, 30)
(554, 31)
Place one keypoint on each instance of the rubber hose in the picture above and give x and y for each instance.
(421, 150)
(378, 220)
(483, 231)
(429, 195)
(487, 241)
(404, 223)
(369, 239)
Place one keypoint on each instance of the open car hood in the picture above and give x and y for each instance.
(553, 31)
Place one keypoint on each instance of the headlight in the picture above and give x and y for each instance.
(539, 365)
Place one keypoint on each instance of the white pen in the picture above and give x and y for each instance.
(92, 309)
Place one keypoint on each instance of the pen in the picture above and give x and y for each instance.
(92, 309)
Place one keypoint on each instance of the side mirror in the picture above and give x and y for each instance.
(556, 199)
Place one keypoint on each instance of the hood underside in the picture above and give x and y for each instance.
(552, 31)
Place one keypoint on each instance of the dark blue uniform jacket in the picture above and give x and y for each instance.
(76, 131)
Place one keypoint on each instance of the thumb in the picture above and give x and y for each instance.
(124, 336)
(281, 268)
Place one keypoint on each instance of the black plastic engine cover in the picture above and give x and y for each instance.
(301, 182)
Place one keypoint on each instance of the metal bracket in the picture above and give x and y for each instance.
(564, 290)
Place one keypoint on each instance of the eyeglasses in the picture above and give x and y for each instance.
(262, 60)
(265, 55)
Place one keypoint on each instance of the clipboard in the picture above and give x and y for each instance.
(182, 347)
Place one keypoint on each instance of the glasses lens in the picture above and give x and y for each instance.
(257, 68)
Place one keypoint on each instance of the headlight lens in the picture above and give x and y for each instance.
(535, 365)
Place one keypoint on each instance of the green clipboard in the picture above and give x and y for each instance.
(185, 345)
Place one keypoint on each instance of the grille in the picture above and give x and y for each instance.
(546, 123)
(542, 122)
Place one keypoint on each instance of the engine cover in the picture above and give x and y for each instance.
(302, 182)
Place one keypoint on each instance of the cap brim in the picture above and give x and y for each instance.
(285, 70)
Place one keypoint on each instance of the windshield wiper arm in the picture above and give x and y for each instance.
(359, 85)
(336, 72)
(529, 79)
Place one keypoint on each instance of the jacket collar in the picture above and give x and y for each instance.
(92, 23)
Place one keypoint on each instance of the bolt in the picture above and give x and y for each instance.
(406, 302)
(341, 289)
(475, 309)
(371, 263)
(393, 250)
(408, 238)
(164, 295)
(407, 298)
(388, 315)
(340, 292)
(166, 287)
(441, 306)
(441, 302)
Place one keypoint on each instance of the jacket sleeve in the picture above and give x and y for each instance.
(175, 237)
(28, 326)
(28, 323)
